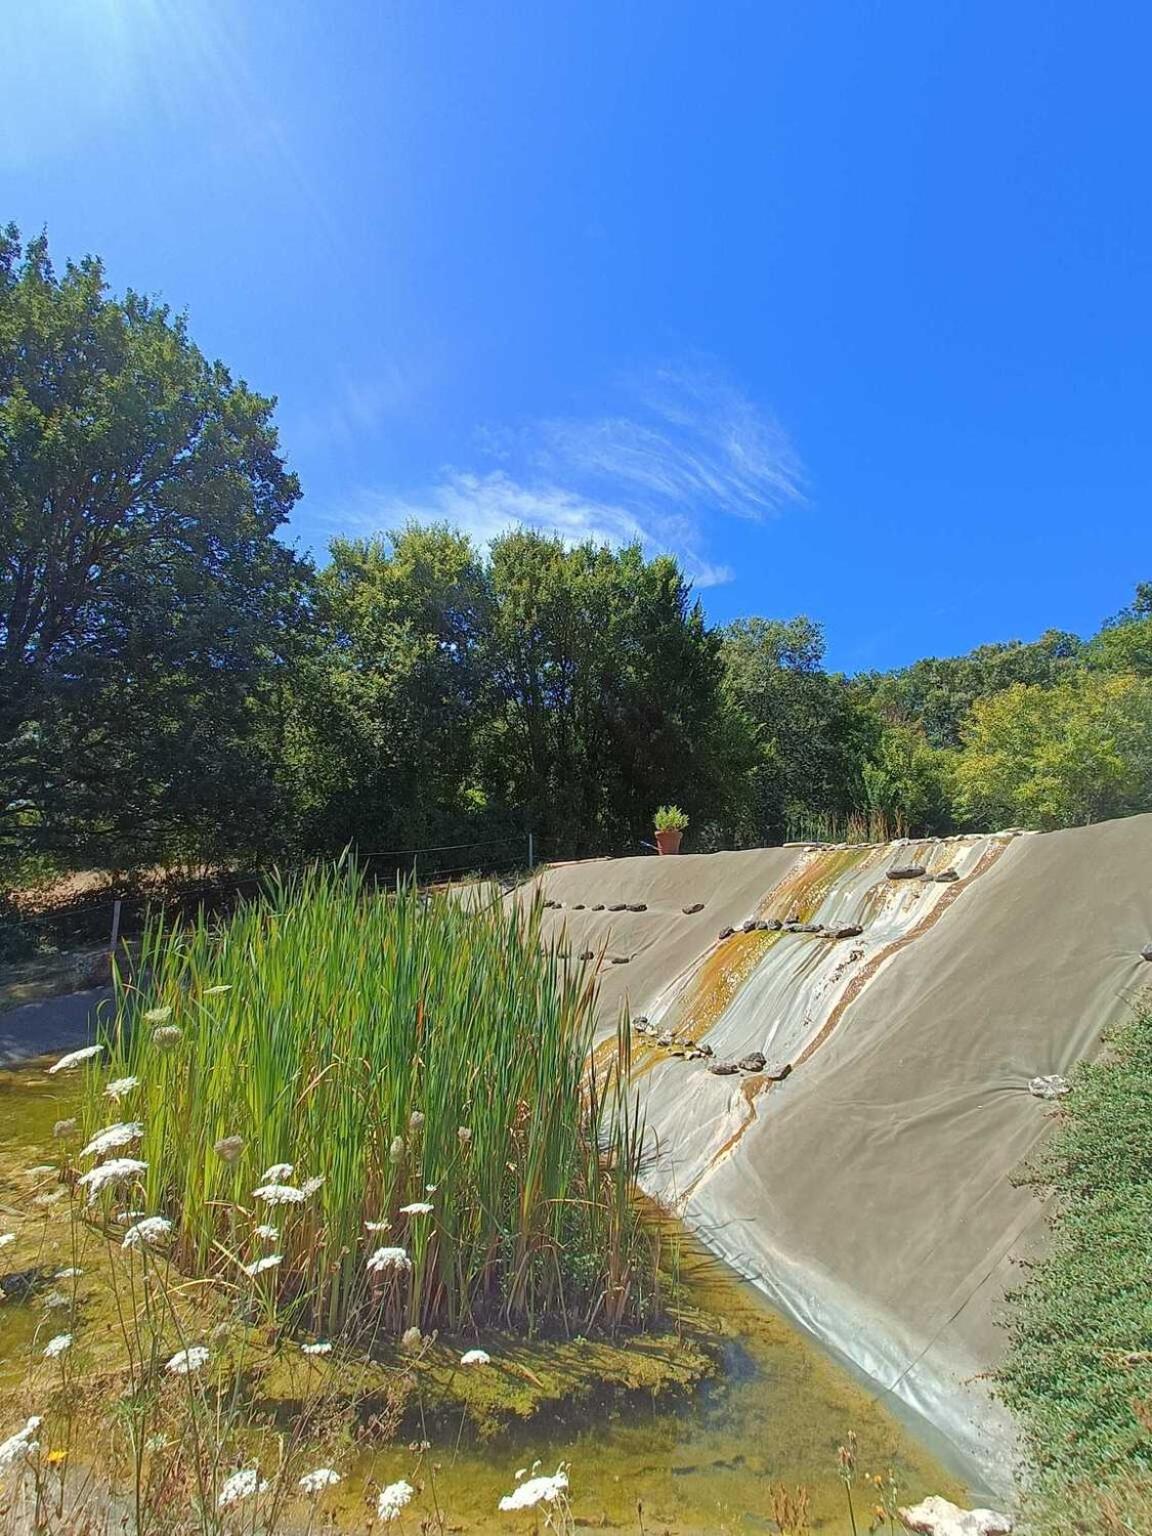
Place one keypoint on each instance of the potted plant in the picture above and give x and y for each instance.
(669, 822)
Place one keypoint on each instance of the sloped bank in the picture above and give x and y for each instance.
(870, 1193)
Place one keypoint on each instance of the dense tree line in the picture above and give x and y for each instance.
(177, 683)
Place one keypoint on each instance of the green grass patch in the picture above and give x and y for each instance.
(1079, 1366)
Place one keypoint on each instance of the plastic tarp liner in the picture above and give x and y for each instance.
(870, 1194)
(660, 943)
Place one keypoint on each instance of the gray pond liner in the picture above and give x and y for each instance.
(870, 1194)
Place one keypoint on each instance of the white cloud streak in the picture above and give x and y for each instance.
(691, 449)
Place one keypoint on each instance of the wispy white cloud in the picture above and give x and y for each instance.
(689, 449)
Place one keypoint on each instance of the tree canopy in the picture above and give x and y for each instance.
(177, 683)
(144, 602)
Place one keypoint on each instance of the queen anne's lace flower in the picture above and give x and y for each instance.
(393, 1499)
(74, 1058)
(277, 1173)
(57, 1346)
(152, 1229)
(21, 1445)
(120, 1086)
(316, 1482)
(241, 1485)
(266, 1233)
(258, 1266)
(475, 1357)
(417, 1208)
(158, 1015)
(321, 1347)
(122, 1134)
(186, 1361)
(537, 1490)
(6, 1238)
(279, 1194)
(385, 1259)
(117, 1170)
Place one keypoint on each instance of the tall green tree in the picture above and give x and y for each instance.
(385, 705)
(606, 695)
(812, 738)
(1124, 643)
(936, 694)
(145, 604)
(1058, 757)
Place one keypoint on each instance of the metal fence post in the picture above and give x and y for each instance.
(531, 852)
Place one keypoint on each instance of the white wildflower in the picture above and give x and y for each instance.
(152, 1229)
(475, 1357)
(157, 1015)
(64, 1128)
(185, 1361)
(537, 1490)
(119, 1087)
(258, 1266)
(417, 1208)
(74, 1058)
(277, 1173)
(316, 1482)
(393, 1499)
(68, 1274)
(321, 1347)
(279, 1194)
(385, 1259)
(57, 1346)
(266, 1233)
(166, 1035)
(310, 1186)
(56, 1299)
(377, 1226)
(241, 1485)
(122, 1134)
(115, 1171)
(6, 1238)
(20, 1445)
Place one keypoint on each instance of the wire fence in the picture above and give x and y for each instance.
(84, 920)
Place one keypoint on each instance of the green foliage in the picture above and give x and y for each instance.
(605, 690)
(811, 737)
(177, 686)
(670, 818)
(400, 1050)
(936, 694)
(144, 602)
(1062, 756)
(380, 740)
(1079, 1366)
(909, 783)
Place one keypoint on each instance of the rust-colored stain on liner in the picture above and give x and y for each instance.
(752, 1087)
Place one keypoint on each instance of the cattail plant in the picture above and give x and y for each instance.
(332, 1064)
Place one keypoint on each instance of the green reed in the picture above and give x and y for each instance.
(404, 1048)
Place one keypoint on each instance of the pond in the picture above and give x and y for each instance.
(774, 1412)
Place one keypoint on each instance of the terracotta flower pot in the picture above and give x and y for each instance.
(668, 841)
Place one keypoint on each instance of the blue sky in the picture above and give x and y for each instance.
(847, 304)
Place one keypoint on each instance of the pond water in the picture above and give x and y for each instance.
(775, 1412)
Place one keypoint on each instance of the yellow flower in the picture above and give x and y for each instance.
(54, 1458)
